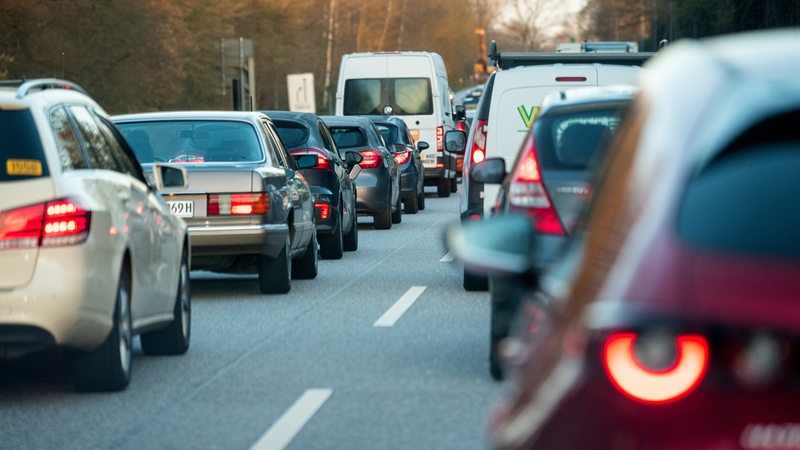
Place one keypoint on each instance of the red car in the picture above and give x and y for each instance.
(673, 322)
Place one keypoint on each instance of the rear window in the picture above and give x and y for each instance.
(575, 141)
(406, 96)
(193, 141)
(20, 147)
(292, 134)
(348, 137)
(744, 202)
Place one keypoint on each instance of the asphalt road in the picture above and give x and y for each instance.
(383, 350)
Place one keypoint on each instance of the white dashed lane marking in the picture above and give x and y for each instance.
(394, 313)
(293, 420)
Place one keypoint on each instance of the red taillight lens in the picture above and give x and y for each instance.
(656, 385)
(439, 139)
(323, 159)
(402, 157)
(370, 159)
(479, 142)
(52, 224)
(237, 204)
(527, 193)
(322, 210)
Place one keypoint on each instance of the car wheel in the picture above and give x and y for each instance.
(475, 282)
(351, 238)
(411, 206)
(397, 215)
(305, 268)
(273, 273)
(174, 339)
(108, 368)
(383, 221)
(443, 188)
(453, 184)
(331, 246)
(421, 200)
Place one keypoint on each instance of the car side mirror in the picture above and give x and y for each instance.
(499, 245)
(455, 141)
(489, 171)
(352, 158)
(169, 177)
(422, 145)
(305, 161)
(397, 148)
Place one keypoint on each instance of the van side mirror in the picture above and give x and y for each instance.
(455, 141)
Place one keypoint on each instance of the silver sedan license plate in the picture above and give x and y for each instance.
(182, 208)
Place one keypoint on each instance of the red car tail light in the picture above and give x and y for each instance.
(646, 382)
(324, 162)
(527, 193)
(479, 142)
(322, 210)
(402, 157)
(52, 224)
(439, 138)
(238, 204)
(370, 159)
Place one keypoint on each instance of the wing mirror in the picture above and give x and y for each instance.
(455, 141)
(169, 177)
(489, 171)
(305, 161)
(352, 159)
(500, 245)
(422, 145)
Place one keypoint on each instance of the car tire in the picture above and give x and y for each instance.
(397, 215)
(443, 188)
(174, 339)
(108, 368)
(273, 273)
(305, 267)
(421, 200)
(475, 282)
(350, 240)
(331, 246)
(383, 221)
(411, 206)
(453, 185)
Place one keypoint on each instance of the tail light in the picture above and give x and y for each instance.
(51, 224)
(439, 138)
(238, 204)
(479, 141)
(526, 193)
(657, 368)
(370, 159)
(402, 157)
(324, 161)
(322, 210)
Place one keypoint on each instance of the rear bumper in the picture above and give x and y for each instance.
(264, 239)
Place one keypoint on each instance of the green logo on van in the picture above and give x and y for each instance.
(527, 116)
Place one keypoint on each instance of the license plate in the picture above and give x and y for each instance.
(182, 208)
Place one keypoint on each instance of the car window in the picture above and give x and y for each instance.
(282, 157)
(327, 140)
(407, 96)
(293, 134)
(20, 146)
(126, 164)
(376, 135)
(388, 132)
(69, 149)
(100, 154)
(574, 141)
(348, 137)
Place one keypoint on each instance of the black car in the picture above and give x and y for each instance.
(397, 136)
(378, 187)
(331, 180)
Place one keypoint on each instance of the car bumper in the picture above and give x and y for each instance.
(264, 239)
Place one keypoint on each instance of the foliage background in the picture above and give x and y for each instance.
(146, 55)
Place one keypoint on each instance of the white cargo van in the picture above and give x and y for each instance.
(413, 86)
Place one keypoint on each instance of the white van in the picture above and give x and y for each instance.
(413, 86)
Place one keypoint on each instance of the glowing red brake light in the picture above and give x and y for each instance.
(238, 204)
(527, 193)
(478, 152)
(56, 223)
(322, 210)
(439, 138)
(402, 157)
(370, 159)
(655, 386)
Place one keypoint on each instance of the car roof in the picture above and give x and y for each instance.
(588, 95)
(347, 120)
(190, 115)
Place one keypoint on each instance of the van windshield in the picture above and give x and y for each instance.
(406, 96)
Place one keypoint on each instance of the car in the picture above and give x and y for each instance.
(247, 207)
(92, 256)
(407, 153)
(332, 180)
(672, 319)
(378, 186)
(413, 85)
(550, 181)
(507, 107)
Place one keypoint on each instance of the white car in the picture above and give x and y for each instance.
(90, 253)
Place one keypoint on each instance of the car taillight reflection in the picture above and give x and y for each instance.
(51, 224)
(527, 193)
(660, 369)
(370, 159)
(238, 204)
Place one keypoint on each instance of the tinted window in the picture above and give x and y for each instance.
(744, 202)
(574, 141)
(389, 132)
(193, 141)
(293, 134)
(69, 149)
(348, 137)
(20, 147)
(406, 96)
